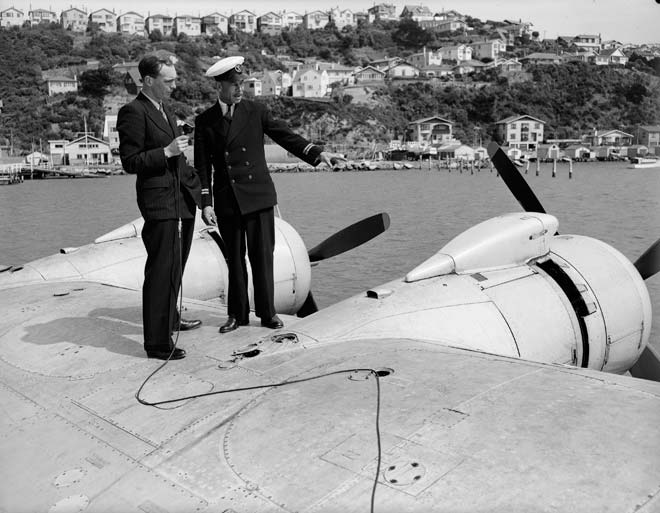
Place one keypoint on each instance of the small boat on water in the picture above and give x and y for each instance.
(643, 163)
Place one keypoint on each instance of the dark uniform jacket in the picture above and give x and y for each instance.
(237, 156)
(143, 133)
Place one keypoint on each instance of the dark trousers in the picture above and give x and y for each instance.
(256, 232)
(166, 259)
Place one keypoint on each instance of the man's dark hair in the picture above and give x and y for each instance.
(150, 65)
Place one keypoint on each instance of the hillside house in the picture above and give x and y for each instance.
(291, 19)
(417, 12)
(443, 25)
(38, 16)
(11, 17)
(270, 23)
(610, 57)
(164, 24)
(542, 58)
(369, 75)
(522, 132)
(456, 53)
(244, 21)
(74, 19)
(130, 23)
(402, 70)
(425, 58)
(110, 132)
(62, 84)
(188, 25)
(342, 17)
(488, 49)
(104, 19)
(382, 12)
(315, 20)
(310, 84)
(215, 23)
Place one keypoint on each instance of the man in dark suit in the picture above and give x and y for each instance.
(229, 152)
(167, 193)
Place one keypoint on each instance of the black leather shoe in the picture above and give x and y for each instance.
(231, 324)
(187, 325)
(273, 323)
(177, 354)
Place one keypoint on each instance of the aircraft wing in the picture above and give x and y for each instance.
(458, 430)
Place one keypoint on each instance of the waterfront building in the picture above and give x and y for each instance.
(244, 21)
(87, 150)
(56, 149)
(340, 75)
(110, 132)
(613, 137)
(342, 17)
(431, 131)
(131, 23)
(270, 23)
(11, 17)
(215, 23)
(382, 12)
(188, 25)
(521, 132)
(38, 16)
(164, 24)
(649, 135)
(74, 19)
(104, 19)
(315, 20)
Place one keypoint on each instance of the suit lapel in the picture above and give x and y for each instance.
(156, 117)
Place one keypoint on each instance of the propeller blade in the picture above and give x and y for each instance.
(308, 307)
(649, 263)
(648, 365)
(350, 237)
(514, 180)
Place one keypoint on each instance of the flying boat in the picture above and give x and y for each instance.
(508, 372)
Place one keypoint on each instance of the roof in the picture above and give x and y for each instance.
(432, 118)
(650, 128)
(540, 55)
(510, 119)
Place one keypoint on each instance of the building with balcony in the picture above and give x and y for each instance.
(521, 132)
(244, 21)
(104, 19)
(164, 24)
(432, 131)
(188, 25)
(130, 23)
(12, 17)
(382, 12)
(38, 16)
(74, 19)
(342, 17)
(315, 20)
(270, 23)
(215, 23)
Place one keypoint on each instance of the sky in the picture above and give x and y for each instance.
(627, 21)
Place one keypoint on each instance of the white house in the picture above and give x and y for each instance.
(315, 20)
(291, 19)
(38, 16)
(522, 132)
(488, 49)
(62, 84)
(244, 21)
(88, 150)
(425, 58)
(252, 87)
(456, 53)
(382, 12)
(105, 20)
(610, 57)
(11, 17)
(310, 84)
(188, 25)
(110, 132)
(342, 17)
(130, 23)
(402, 70)
(164, 24)
(74, 19)
(270, 23)
(429, 131)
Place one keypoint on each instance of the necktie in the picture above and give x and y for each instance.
(162, 111)
(227, 115)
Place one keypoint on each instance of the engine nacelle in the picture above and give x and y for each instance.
(609, 297)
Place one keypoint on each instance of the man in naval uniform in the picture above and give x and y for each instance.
(229, 152)
(167, 193)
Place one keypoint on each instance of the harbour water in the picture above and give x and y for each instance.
(427, 208)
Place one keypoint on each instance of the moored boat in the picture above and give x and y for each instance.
(643, 163)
